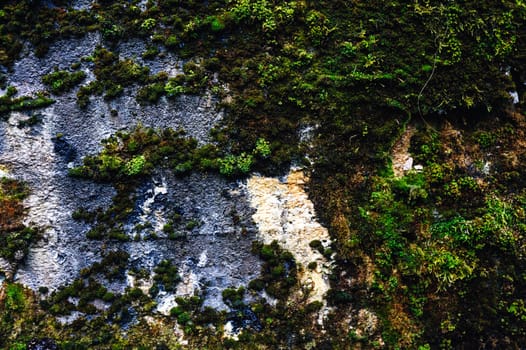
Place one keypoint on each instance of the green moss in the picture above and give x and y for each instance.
(9, 104)
(113, 75)
(235, 164)
(166, 276)
(288, 64)
(151, 93)
(61, 81)
(216, 24)
(234, 297)
(173, 88)
(31, 121)
(135, 166)
(278, 273)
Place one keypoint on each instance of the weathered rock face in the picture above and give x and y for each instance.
(214, 254)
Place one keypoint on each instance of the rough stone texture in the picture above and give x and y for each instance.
(82, 4)
(213, 256)
(6, 270)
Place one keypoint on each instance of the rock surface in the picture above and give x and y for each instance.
(284, 213)
(212, 253)
(213, 256)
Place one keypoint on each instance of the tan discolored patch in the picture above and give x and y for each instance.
(285, 213)
(400, 156)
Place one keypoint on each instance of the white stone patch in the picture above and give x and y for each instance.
(284, 213)
(82, 4)
(3, 172)
(323, 315)
(101, 305)
(146, 207)
(68, 319)
(189, 283)
(142, 5)
(203, 259)
(158, 189)
(26, 149)
(515, 96)
(408, 165)
(130, 280)
(30, 149)
(90, 76)
(306, 135)
(165, 302)
(486, 168)
(228, 331)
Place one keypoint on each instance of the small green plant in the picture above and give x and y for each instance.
(190, 225)
(148, 24)
(485, 139)
(262, 148)
(173, 88)
(216, 24)
(61, 81)
(150, 53)
(231, 164)
(9, 104)
(15, 300)
(278, 273)
(31, 121)
(171, 41)
(135, 166)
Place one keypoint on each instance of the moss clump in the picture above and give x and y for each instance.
(150, 53)
(14, 302)
(151, 93)
(234, 297)
(61, 81)
(9, 103)
(113, 75)
(135, 154)
(166, 277)
(128, 157)
(31, 121)
(278, 275)
(135, 166)
(112, 266)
